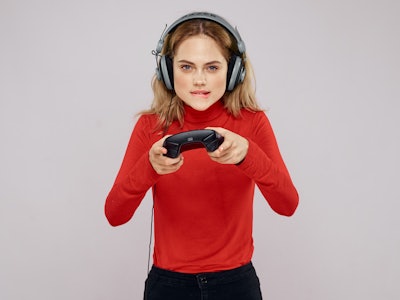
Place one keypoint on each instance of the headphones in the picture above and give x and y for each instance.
(236, 71)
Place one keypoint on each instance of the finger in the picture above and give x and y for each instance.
(220, 130)
(174, 165)
(224, 147)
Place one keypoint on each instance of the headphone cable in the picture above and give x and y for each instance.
(151, 238)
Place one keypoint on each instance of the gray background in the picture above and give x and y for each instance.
(74, 73)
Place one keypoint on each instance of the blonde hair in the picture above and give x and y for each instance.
(167, 105)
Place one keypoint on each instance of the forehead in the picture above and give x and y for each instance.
(198, 47)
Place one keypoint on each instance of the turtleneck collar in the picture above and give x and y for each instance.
(206, 116)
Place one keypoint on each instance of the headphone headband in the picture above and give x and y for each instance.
(206, 16)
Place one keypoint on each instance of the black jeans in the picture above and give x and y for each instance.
(238, 284)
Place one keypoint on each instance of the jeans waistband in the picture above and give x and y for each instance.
(210, 277)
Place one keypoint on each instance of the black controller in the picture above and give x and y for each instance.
(175, 144)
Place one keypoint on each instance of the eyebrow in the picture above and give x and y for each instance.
(207, 63)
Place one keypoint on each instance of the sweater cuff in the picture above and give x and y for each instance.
(150, 172)
(143, 174)
(256, 163)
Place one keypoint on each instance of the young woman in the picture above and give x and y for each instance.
(203, 201)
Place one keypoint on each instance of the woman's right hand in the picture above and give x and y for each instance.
(163, 164)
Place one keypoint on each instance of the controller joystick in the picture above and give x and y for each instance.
(207, 138)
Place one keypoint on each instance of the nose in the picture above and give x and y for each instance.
(199, 78)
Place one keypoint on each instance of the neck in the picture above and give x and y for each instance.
(205, 116)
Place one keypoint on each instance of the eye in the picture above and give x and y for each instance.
(186, 67)
(212, 68)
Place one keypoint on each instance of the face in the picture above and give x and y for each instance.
(199, 72)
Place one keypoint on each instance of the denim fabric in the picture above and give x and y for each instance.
(238, 284)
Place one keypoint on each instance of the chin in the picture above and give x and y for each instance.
(201, 107)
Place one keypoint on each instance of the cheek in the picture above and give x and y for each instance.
(181, 86)
(219, 83)
(222, 80)
(181, 81)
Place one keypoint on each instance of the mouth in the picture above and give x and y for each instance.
(200, 93)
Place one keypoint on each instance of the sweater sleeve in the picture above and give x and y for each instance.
(264, 164)
(135, 177)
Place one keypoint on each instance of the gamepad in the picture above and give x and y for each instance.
(210, 139)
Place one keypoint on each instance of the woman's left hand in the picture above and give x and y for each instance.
(233, 150)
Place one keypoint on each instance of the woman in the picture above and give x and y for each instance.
(203, 201)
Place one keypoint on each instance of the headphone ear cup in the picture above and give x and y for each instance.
(236, 73)
(166, 72)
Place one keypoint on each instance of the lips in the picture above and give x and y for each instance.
(200, 93)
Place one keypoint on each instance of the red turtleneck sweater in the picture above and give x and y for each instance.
(203, 213)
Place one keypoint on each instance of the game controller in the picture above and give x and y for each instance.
(177, 143)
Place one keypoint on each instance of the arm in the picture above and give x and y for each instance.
(265, 165)
(135, 177)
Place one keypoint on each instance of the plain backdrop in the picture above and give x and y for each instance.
(74, 73)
